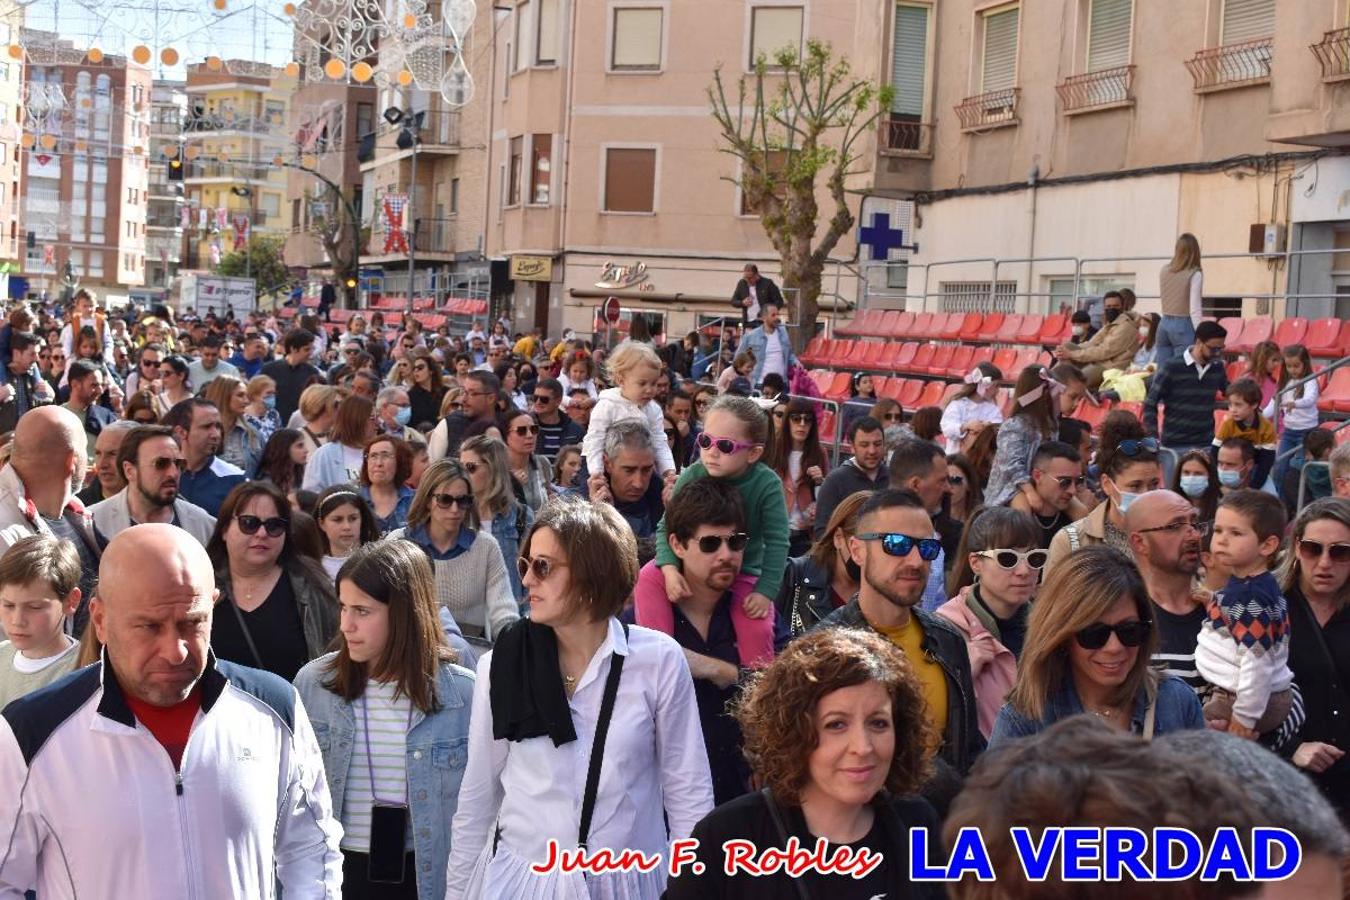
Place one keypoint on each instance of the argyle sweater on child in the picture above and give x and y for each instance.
(1244, 644)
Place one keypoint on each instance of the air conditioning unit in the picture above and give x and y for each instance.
(1267, 240)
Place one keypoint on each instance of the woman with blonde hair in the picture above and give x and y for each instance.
(318, 407)
(1181, 285)
(239, 444)
(508, 518)
(1088, 648)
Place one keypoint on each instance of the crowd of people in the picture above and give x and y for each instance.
(375, 611)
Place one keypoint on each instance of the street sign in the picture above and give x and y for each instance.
(612, 310)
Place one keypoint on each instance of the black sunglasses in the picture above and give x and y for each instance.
(445, 501)
(1311, 551)
(1132, 447)
(542, 398)
(275, 526)
(470, 467)
(144, 362)
(1131, 634)
(896, 544)
(163, 463)
(711, 543)
(891, 417)
(801, 418)
(523, 430)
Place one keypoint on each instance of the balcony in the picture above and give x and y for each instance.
(1091, 91)
(995, 109)
(439, 136)
(198, 172)
(163, 222)
(432, 237)
(1333, 54)
(218, 122)
(902, 136)
(1231, 66)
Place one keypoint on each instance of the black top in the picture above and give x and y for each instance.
(1177, 637)
(1319, 657)
(1012, 631)
(424, 406)
(748, 818)
(275, 629)
(1049, 528)
(291, 380)
(61, 527)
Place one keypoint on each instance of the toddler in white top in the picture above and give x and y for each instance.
(973, 408)
(634, 367)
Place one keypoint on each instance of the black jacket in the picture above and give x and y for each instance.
(946, 646)
(765, 290)
(844, 480)
(751, 818)
(804, 598)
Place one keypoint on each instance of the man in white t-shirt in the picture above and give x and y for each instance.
(770, 345)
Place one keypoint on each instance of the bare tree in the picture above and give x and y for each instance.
(798, 119)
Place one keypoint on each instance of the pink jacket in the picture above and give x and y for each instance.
(993, 668)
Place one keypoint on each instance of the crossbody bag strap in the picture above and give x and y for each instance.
(248, 636)
(776, 816)
(598, 747)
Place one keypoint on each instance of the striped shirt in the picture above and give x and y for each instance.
(388, 722)
(1177, 636)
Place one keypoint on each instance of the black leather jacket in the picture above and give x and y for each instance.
(804, 598)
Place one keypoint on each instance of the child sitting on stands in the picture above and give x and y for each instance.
(1297, 406)
(862, 397)
(1243, 648)
(1317, 446)
(1244, 421)
(39, 592)
(973, 408)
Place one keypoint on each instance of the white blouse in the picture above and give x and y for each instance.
(655, 762)
(967, 409)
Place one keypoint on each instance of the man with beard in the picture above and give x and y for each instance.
(895, 547)
(1052, 493)
(705, 523)
(149, 459)
(204, 479)
(864, 472)
(1165, 536)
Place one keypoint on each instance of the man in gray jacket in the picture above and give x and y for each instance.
(150, 461)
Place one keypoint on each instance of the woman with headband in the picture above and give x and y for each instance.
(1034, 419)
(973, 408)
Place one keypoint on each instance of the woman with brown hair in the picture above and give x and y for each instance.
(836, 732)
(826, 578)
(318, 407)
(141, 408)
(385, 469)
(390, 709)
(1035, 418)
(530, 470)
(276, 609)
(1088, 645)
(240, 445)
(801, 463)
(1181, 285)
(572, 669)
(339, 461)
(426, 390)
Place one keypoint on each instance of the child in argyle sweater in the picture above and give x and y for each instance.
(1243, 648)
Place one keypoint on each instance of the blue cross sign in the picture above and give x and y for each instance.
(880, 237)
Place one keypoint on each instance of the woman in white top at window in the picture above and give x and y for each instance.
(973, 408)
(535, 710)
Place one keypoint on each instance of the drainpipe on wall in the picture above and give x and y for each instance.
(1033, 176)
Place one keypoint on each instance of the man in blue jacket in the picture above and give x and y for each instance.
(206, 479)
(770, 344)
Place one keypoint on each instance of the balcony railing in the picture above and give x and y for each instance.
(1333, 54)
(1232, 65)
(439, 128)
(435, 235)
(992, 109)
(906, 138)
(236, 171)
(1106, 87)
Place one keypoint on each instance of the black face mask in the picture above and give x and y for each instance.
(1111, 314)
(854, 571)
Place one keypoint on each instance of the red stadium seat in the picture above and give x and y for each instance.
(1253, 332)
(950, 327)
(1030, 332)
(1233, 325)
(1219, 416)
(949, 392)
(861, 324)
(941, 359)
(1055, 330)
(905, 357)
(1005, 358)
(1336, 398)
(1324, 337)
(960, 362)
(872, 354)
(893, 387)
(1028, 356)
(1008, 331)
(981, 354)
(993, 322)
(970, 329)
(813, 349)
(924, 356)
(1291, 331)
(932, 394)
(889, 356)
(923, 328)
(1236, 369)
(1093, 415)
(900, 325)
(827, 422)
(887, 323)
(909, 394)
(1134, 407)
(840, 386)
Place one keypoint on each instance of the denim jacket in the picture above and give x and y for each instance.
(436, 754)
(1177, 709)
(509, 529)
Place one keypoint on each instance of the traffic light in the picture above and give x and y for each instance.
(175, 169)
(351, 284)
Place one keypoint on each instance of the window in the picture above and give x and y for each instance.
(977, 296)
(1108, 34)
(514, 171)
(365, 119)
(630, 179)
(1246, 20)
(546, 33)
(998, 68)
(522, 23)
(773, 28)
(270, 204)
(276, 112)
(295, 214)
(454, 196)
(541, 167)
(637, 39)
(909, 75)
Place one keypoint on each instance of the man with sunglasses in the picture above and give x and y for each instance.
(204, 479)
(147, 368)
(895, 549)
(863, 472)
(555, 429)
(705, 525)
(152, 465)
(480, 403)
(1187, 386)
(1051, 496)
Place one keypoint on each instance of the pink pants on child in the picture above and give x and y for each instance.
(754, 637)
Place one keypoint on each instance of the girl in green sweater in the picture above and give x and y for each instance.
(731, 446)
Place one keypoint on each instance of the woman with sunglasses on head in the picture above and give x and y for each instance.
(471, 579)
(390, 709)
(1128, 469)
(345, 524)
(532, 471)
(277, 610)
(800, 462)
(426, 390)
(1088, 645)
(997, 570)
(339, 461)
(540, 713)
(964, 484)
(1035, 418)
(385, 470)
(1315, 580)
(1197, 480)
(821, 581)
(504, 514)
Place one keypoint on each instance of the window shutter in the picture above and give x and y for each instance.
(1109, 34)
(637, 38)
(909, 63)
(773, 28)
(1247, 20)
(1000, 51)
(630, 180)
(546, 50)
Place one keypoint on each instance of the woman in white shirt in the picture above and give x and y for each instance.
(973, 408)
(339, 460)
(537, 730)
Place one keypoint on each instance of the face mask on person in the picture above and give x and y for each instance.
(1143, 332)
(1194, 486)
(270, 401)
(403, 416)
(1079, 330)
(1111, 314)
(1230, 478)
(1126, 498)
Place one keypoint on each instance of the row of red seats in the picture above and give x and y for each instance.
(914, 358)
(1327, 338)
(1335, 397)
(989, 328)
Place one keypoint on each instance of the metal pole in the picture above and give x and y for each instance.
(412, 212)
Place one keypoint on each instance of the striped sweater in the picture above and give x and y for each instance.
(1189, 398)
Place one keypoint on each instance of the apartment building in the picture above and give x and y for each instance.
(235, 130)
(85, 170)
(11, 127)
(166, 195)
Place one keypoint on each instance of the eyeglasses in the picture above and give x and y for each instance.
(164, 463)
(541, 568)
(1131, 634)
(956, 480)
(896, 544)
(723, 445)
(1067, 481)
(470, 467)
(456, 405)
(1311, 551)
(1011, 559)
(542, 398)
(711, 543)
(1132, 447)
(445, 501)
(801, 418)
(275, 526)
(145, 420)
(891, 417)
(523, 430)
(1200, 528)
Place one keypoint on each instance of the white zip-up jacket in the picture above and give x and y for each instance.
(90, 804)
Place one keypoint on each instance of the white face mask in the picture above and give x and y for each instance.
(1079, 330)
(1143, 332)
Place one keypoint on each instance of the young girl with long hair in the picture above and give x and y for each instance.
(345, 522)
(1034, 419)
(801, 463)
(283, 460)
(1297, 405)
(973, 408)
(1263, 367)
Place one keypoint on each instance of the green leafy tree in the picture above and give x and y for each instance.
(262, 261)
(796, 124)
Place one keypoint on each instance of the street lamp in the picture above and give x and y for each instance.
(408, 140)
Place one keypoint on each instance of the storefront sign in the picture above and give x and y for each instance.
(614, 277)
(531, 268)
